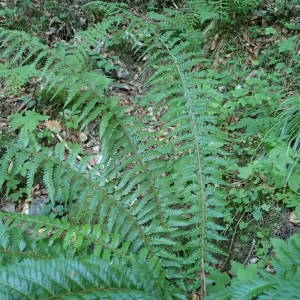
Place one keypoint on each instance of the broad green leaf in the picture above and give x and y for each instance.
(287, 44)
(245, 172)
(294, 182)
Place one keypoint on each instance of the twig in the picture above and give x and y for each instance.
(250, 252)
(232, 239)
(174, 4)
(23, 105)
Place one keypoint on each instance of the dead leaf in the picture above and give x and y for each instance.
(194, 297)
(83, 137)
(270, 269)
(25, 208)
(53, 125)
(294, 219)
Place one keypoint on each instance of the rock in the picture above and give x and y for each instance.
(8, 207)
(37, 206)
(122, 73)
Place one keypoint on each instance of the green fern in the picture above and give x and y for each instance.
(156, 192)
(107, 9)
(81, 279)
(290, 121)
(227, 10)
(198, 171)
(282, 282)
(38, 237)
(65, 69)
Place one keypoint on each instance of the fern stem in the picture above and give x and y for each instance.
(202, 196)
(24, 254)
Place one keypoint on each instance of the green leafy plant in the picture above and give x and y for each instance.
(225, 10)
(147, 221)
(47, 19)
(38, 267)
(290, 121)
(255, 282)
(158, 195)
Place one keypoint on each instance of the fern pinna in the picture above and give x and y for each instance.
(154, 196)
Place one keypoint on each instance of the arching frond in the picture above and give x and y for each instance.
(82, 279)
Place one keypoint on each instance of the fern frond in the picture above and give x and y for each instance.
(287, 255)
(117, 211)
(281, 283)
(193, 146)
(81, 279)
(199, 12)
(64, 69)
(208, 14)
(289, 121)
(107, 9)
(30, 236)
(250, 289)
(157, 194)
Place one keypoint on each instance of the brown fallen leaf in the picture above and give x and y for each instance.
(294, 219)
(194, 297)
(53, 125)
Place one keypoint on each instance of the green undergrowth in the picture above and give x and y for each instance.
(193, 172)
